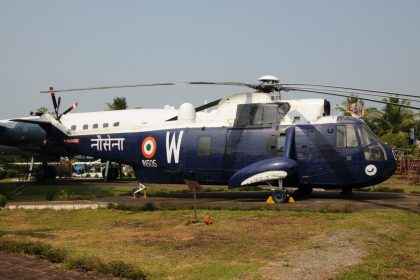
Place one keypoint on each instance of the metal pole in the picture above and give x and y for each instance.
(106, 171)
(31, 166)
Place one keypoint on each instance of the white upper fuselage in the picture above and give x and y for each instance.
(301, 111)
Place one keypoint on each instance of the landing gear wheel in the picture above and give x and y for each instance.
(280, 196)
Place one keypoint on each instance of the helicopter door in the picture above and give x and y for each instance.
(203, 154)
(349, 152)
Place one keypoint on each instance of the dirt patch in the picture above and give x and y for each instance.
(324, 259)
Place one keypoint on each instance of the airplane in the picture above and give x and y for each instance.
(250, 138)
(29, 139)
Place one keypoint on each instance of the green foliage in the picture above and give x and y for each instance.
(119, 103)
(397, 140)
(42, 110)
(391, 119)
(115, 268)
(10, 173)
(39, 249)
(49, 196)
(2, 201)
(54, 255)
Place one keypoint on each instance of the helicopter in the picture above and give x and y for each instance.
(251, 138)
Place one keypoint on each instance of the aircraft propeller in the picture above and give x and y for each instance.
(56, 105)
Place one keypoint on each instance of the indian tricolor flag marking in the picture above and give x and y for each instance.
(148, 147)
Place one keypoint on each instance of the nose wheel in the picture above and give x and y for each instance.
(280, 196)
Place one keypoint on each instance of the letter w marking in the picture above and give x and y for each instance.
(174, 147)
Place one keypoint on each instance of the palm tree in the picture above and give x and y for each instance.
(119, 103)
(392, 118)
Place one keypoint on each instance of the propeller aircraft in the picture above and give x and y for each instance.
(250, 138)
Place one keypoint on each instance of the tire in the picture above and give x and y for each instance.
(280, 196)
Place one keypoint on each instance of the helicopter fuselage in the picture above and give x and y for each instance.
(331, 153)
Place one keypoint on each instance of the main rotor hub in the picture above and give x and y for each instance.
(269, 79)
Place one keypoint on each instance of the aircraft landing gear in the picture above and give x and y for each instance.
(280, 194)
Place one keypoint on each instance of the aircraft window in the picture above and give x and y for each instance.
(351, 136)
(346, 136)
(375, 152)
(204, 145)
(105, 125)
(85, 126)
(366, 135)
(95, 126)
(73, 127)
(116, 123)
(260, 114)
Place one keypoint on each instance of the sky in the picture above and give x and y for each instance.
(79, 43)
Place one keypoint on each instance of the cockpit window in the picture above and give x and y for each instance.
(346, 136)
(366, 135)
(375, 152)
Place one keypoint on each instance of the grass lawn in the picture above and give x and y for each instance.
(236, 246)
(397, 183)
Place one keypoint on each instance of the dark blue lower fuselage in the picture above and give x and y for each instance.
(213, 155)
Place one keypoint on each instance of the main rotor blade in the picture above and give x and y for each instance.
(354, 89)
(342, 95)
(348, 91)
(200, 108)
(156, 84)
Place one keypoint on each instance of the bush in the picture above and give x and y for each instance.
(11, 173)
(41, 250)
(49, 196)
(2, 201)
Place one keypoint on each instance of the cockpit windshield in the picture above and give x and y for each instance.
(367, 137)
(373, 149)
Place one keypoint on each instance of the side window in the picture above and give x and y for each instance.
(204, 145)
(116, 123)
(341, 136)
(351, 136)
(95, 126)
(346, 136)
(73, 127)
(105, 125)
(85, 126)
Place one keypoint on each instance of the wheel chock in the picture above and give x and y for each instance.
(270, 200)
(291, 200)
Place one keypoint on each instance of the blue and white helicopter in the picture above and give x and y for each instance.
(251, 138)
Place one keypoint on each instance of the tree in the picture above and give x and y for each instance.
(392, 118)
(42, 110)
(119, 103)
